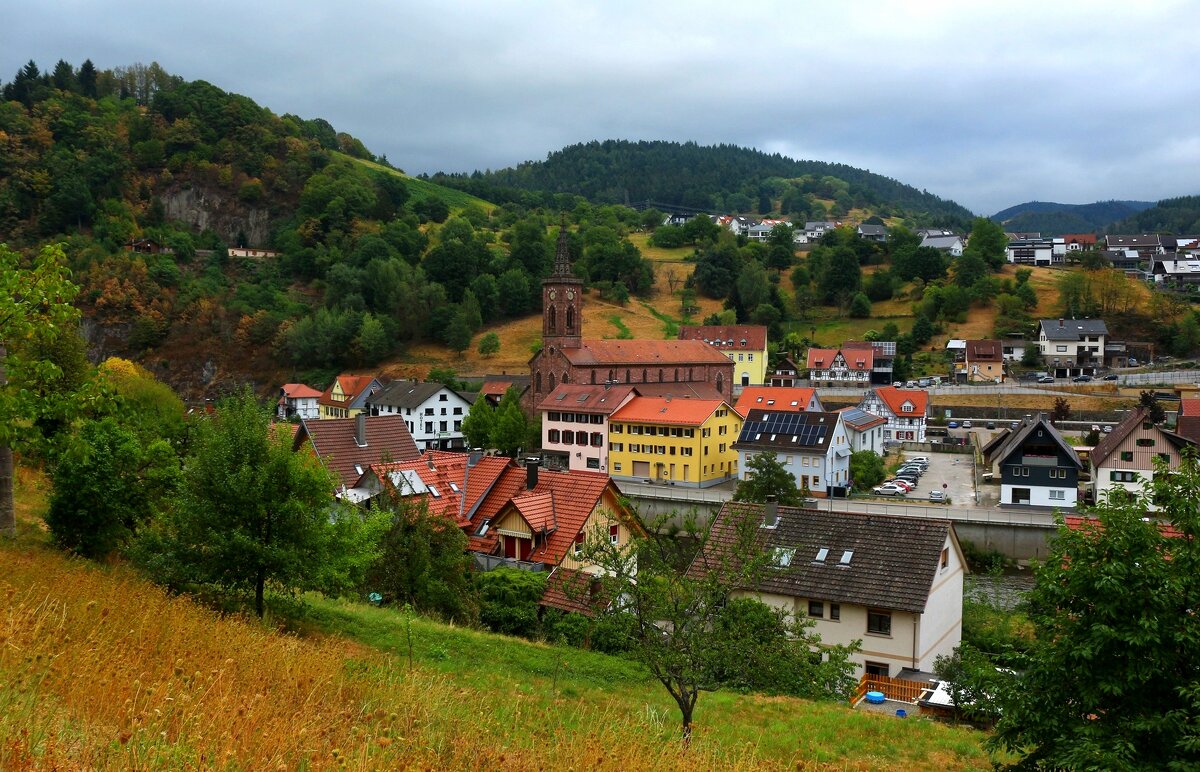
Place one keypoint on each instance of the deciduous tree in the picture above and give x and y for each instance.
(767, 476)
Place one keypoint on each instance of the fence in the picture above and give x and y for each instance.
(892, 688)
(491, 562)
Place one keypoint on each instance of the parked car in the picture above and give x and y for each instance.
(966, 424)
(919, 459)
(902, 483)
(952, 425)
(1133, 362)
(1046, 379)
(937, 495)
(1111, 377)
(991, 424)
(924, 383)
(1107, 429)
(888, 489)
(908, 474)
(1096, 427)
(1013, 425)
(897, 384)
(1082, 379)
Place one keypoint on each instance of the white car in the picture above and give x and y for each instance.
(888, 489)
(937, 495)
(966, 424)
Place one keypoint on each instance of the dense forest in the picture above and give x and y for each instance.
(1051, 219)
(1180, 216)
(718, 179)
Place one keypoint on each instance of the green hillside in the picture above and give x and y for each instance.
(1053, 219)
(1180, 216)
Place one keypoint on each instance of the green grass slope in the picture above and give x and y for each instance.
(422, 190)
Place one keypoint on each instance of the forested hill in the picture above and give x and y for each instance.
(1180, 216)
(720, 178)
(1053, 219)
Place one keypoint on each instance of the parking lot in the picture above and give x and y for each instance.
(948, 472)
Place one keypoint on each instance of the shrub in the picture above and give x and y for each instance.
(508, 601)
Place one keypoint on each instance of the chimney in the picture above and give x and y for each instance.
(531, 472)
(771, 512)
(360, 430)
(1060, 321)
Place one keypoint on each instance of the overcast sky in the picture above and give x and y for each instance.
(1056, 101)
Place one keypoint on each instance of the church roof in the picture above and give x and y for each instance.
(643, 353)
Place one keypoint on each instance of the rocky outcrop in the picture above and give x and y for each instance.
(212, 208)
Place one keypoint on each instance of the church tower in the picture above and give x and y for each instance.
(562, 302)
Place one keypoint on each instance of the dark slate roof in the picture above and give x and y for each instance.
(405, 393)
(893, 564)
(786, 430)
(1072, 329)
(1015, 438)
(872, 230)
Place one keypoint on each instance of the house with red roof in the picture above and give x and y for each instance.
(1188, 423)
(794, 399)
(450, 484)
(297, 401)
(840, 367)
(744, 344)
(1124, 460)
(347, 446)
(904, 409)
(686, 442)
(575, 424)
(347, 396)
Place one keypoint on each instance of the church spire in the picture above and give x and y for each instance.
(562, 255)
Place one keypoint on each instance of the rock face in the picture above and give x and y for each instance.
(206, 208)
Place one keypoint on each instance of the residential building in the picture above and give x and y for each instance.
(347, 446)
(432, 411)
(347, 396)
(251, 252)
(566, 357)
(449, 484)
(904, 409)
(494, 387)
(984, 361)
(1032, 251)
(674, 441)
(813, 447)
(1013, 347)
(575, 420)
(1072, 346)
(745, 345)
(877, 233)
(950, 244)
(786, 373)
(761, 231)
(840, 367)
(1148, 245)
(1079, 242)
(1124, 459)
(1188, 422)
(883, 357)
(895, 584)
(298, 401)
(814, 230)
(864, 430)
(1127, 260)
(795, 399)
(1037, 467)
(1174, 272)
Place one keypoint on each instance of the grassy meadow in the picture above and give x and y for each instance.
(101, 670)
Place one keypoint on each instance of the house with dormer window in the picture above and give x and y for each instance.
(813, 446)
(840, 367)
(904, 409)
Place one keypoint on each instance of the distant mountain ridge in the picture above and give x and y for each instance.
(1054, 219)
(719, 178)
(1179, 216)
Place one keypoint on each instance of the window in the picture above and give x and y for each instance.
(428, 411)
(554, 416)
(879, 622)
(614, 534)
(442, 426)
(597, 439)
(579, 542)
(552, 436)
(1058, 495)
(1060, 349)
(568, 437)
(458, 411)
(617, 467)
(1126, 455)
(429, 427)
(617, 447)
(593, 463)
(616, 429)
(1145, 442)
(835, 611)
(816, 609)
(1165, 457)
(442, 398)
(1123, 476)
(945, 557)
(877, 668)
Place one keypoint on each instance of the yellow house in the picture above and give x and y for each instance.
(347, 397)
(744, 344)
(677, 442)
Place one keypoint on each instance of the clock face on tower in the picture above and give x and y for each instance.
(570, 294)
(553, 294)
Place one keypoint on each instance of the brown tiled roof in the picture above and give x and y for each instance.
(495, 388)
(1111, 441)
(1087, 523)
(793, 398)
(984, 351)
(695, 390)
(445, 472)
(742, 337)
(582, 398)
(576, 591)
(893, 565)
(332, 439)
(642, 353)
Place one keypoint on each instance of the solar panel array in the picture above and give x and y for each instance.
(808, 429)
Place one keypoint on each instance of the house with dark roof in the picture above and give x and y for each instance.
(347, 396)
(1036, 465)
(432, 411)
(863, 430)
(744, 344)
(793, 399)
(893, 583)
(575, 424)
(983, 362)
(1072, 346)
(904, 409)
(812, 446)
(873, 232)
(786, 373)
(1148, 245)
(297, 401)
(347, 446)
(1124, 459)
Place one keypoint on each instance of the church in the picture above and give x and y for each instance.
(674, 368)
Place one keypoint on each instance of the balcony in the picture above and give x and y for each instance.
(492, 562)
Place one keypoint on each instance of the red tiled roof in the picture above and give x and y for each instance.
(583, 398)
(508, 484)
(1189, 407)
(656, 410)
(299, 391)
(332, 439)
(894, 398)
(571, 590)
(1086, 523)
(743, 337)
(537, 509)
(445, 472)
(574, 495)
(495, 388)
(787, 398)
(639, 353)
(694, 390)
(352, 386)
(856, 359)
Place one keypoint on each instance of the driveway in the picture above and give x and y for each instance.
(951, 470)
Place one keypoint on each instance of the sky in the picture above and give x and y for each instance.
(986, 103)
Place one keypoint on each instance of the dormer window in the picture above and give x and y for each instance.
(821, 555)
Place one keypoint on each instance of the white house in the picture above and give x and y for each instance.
(298, 400)
(433, 412)
(904, 409)
(814, 230)
(813, 446)
(840, 367)
(1037, 467)
(951, 244)
(1072, 346)
(893, 583)
(1037, 251)
(1124, 458)
(863, 430)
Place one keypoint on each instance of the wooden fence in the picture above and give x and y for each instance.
(892, 688)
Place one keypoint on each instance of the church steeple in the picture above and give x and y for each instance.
(562, 301)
